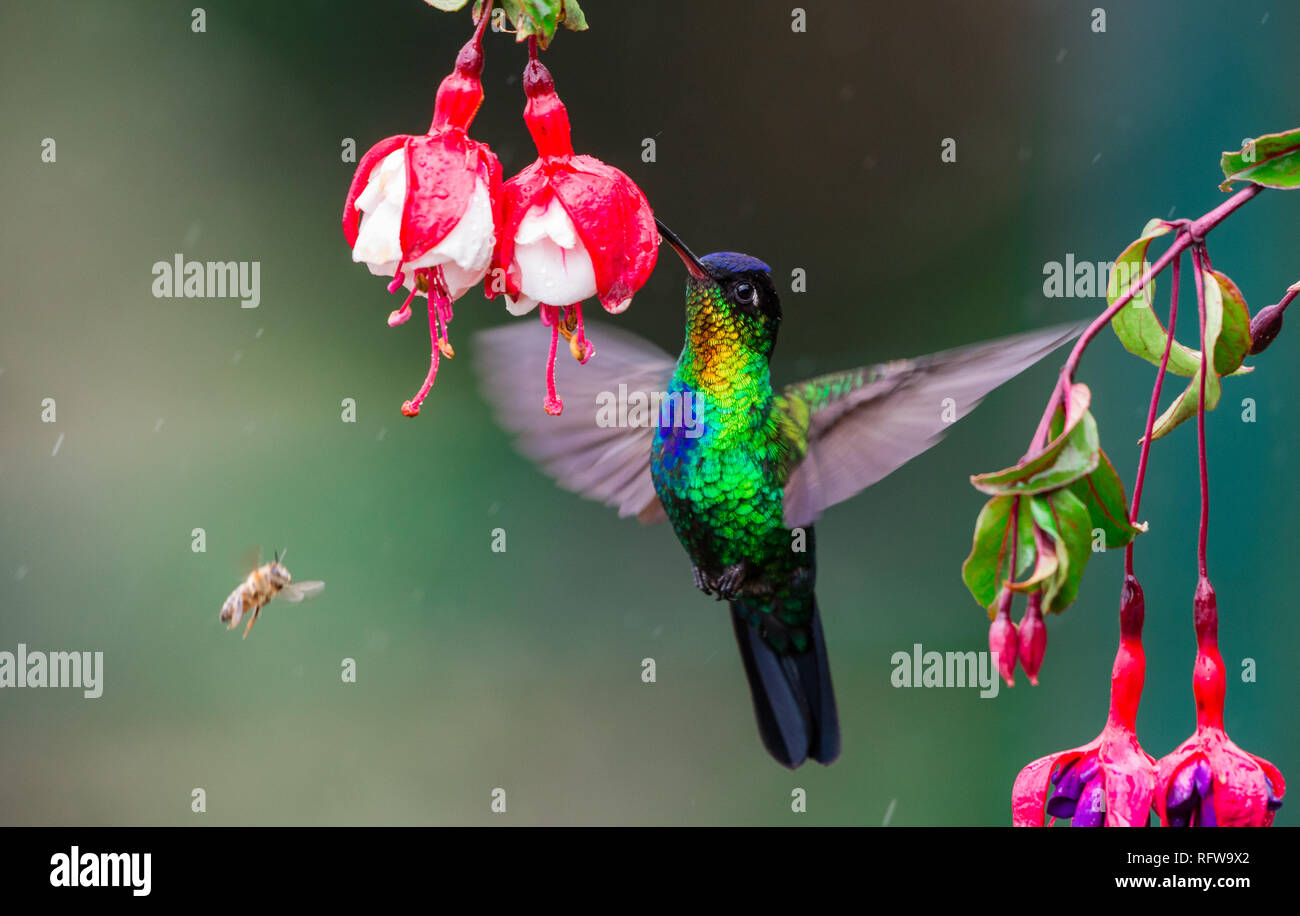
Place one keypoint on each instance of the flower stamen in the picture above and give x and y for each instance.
(581, 348)
(550, 316)
(438, 305)
(402, 315)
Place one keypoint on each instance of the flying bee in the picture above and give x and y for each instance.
(263, 584)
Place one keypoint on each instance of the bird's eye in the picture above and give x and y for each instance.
(744, 293)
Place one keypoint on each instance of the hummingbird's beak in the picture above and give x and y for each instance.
(693, 265)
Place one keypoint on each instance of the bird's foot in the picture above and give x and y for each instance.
(726, 585)
(702, 581)
(729, 584)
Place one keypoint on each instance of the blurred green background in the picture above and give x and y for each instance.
(521, 670)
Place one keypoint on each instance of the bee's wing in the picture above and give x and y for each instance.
(296, 591)
(233, 609)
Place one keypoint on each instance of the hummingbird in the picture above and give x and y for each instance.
(741, 469)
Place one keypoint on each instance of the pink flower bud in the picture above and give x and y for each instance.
(1264, 327)
(1002, 638)
(1033, 637)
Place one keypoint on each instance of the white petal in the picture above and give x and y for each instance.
(555, 275)
(552, 222)
(379, 235)
(460, 281)
(521, 306)
(470, 242)
(464, 254)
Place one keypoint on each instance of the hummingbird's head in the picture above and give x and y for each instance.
(729, 296)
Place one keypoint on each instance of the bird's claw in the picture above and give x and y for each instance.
(732, 580)
(701, 580)
(725, 586)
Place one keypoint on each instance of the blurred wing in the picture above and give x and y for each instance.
(245, 561)
(863, 424)
(605, 462)
(296, 591)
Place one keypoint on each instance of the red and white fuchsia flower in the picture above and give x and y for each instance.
(425, 210)
(432, 213)
(572, 228)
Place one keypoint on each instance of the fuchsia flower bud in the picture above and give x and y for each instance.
(425, 210)
(1209, 781)
(1110, 781)
(1033, 637)
(573, 228)
(1002, 638)
(1265, 327)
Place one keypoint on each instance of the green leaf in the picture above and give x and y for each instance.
(1234, 337)
(530, 18)
(980, 571)
(1025, 550)
(1136, 325)
(1103, 493)
(1184, 408)
(1072, 453)
(1046, 564)
(541, 18)
(983, 571)
(1065, 519)
(1272, 160)
(1026, 477)
(571, 16)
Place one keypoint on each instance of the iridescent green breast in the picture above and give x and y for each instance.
(714, 479)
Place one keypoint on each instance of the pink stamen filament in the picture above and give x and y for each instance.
(402, 315)
(580, 335)
(438, 307)
(550, 316)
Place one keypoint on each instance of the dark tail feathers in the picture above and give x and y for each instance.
(793, 698)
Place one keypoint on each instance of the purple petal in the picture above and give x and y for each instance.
(1207, 816)
(1204, 778)
(1071, 783)
(1061, 806)
(1182, 791)
(1061, 771)
(1274, 802)
(1091, 811)
(1088, 769)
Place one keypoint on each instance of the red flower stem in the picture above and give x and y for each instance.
(1286, 300)
(1200, 421)
(1151, 412)
(1195, 232)
(482, 23)
(1015, 534)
